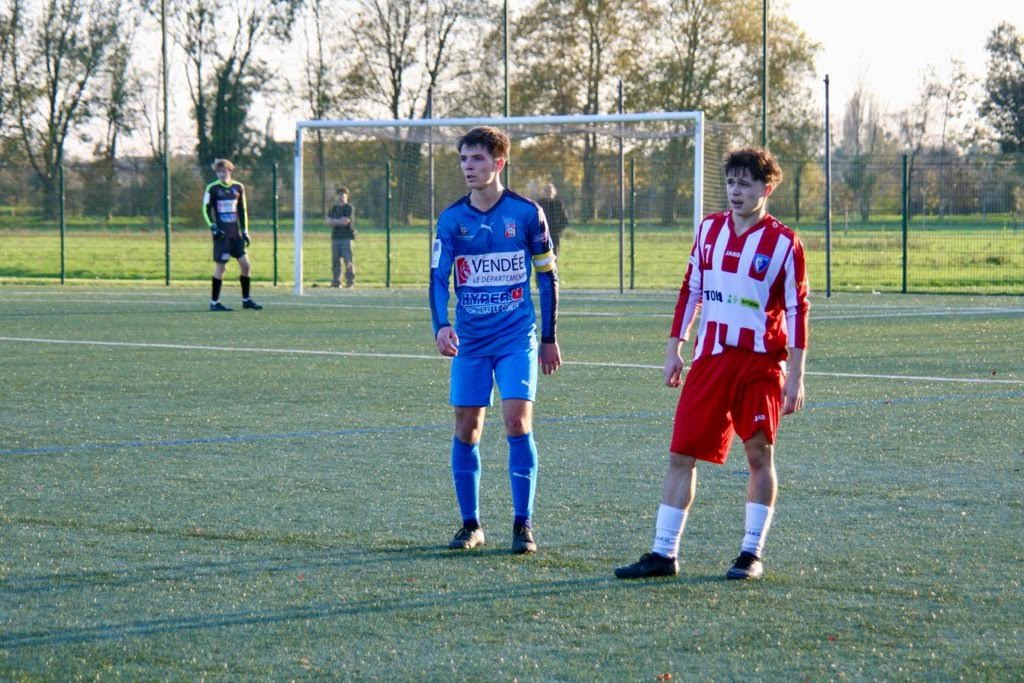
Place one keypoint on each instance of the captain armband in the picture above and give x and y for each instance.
(544, 263)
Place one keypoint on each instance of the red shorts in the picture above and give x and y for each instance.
(735, 392)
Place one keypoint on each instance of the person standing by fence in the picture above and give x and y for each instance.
(343, 231)
(555, 213)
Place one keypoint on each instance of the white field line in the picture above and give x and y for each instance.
(940, 312)
(412, 356)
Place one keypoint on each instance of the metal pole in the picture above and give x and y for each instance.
(274, 200)
(764, 73)
(508, 102)
(430, 170)
(165, 142)
(504, 49)
(387, 224)
(297, 232)
(632, 223)
(60, 189)
(828, 196)
(622, 199)
(905, 193)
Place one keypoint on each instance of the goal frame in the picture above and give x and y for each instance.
(498, 121)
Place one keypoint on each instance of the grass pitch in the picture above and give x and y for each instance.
(267, 495)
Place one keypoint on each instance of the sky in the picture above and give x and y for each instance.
(889, 43)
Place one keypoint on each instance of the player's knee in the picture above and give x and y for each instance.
(759, 457)
(517, 425)
(468, 428)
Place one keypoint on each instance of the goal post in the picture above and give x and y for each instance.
(643, 130)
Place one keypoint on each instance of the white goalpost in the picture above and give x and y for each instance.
(638, 128)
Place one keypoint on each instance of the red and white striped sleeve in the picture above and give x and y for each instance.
(688, 304)
(797, 304)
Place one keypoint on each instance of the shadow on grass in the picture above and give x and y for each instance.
(155, 573)
(356, 608)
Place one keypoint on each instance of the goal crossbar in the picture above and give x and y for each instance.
(697, 117)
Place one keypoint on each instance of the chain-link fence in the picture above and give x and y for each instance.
(899, 223)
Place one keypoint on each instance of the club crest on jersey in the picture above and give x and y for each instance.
(510, 227)
(461, 232)
(761, 262)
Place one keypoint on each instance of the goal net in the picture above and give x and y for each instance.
(632, 187)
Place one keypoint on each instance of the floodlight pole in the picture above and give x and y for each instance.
(298, 209)
(622, 199)
(508, 104)
(430, 169)
(828, 195)
(165, 142)
(764, 73)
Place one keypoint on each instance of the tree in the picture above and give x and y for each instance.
(9, 20)
(708, 59)
(863, 136)
(55, 60)
(797, 138)
(570, 52)
(321, 86)
(224, 69)
(407, 52)
(1004, 86)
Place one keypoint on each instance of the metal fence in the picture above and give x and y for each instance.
(926, 224)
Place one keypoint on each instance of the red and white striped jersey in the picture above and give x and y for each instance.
(751, 290)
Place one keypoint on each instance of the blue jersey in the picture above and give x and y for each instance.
(493, 254)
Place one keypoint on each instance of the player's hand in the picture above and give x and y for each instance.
(673, 370)
(793, 393)
(550, 358)
(217, 233)
(248, 240)
(447, 342)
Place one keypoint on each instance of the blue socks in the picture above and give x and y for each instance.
(522, 472)
(466, 477)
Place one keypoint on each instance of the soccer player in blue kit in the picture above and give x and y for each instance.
(493, 239)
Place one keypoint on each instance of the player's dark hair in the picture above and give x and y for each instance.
(757, 161)
(342, 190)
(493, 140)
(223, 163)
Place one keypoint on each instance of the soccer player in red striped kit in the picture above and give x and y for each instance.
(747, 278)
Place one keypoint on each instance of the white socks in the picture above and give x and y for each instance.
(758, 521)
(668, 530)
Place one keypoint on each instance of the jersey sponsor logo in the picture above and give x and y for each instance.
(484, 303)
(226, 205)
(732, 253)
(743, 301)
(750, 303)
(715, 295)
(435, 254)
(761, 262)
(491, 270)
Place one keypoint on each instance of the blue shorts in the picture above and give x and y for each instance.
(473, 378)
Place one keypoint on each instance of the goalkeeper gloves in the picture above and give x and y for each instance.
(217, 233)
(245, 236)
